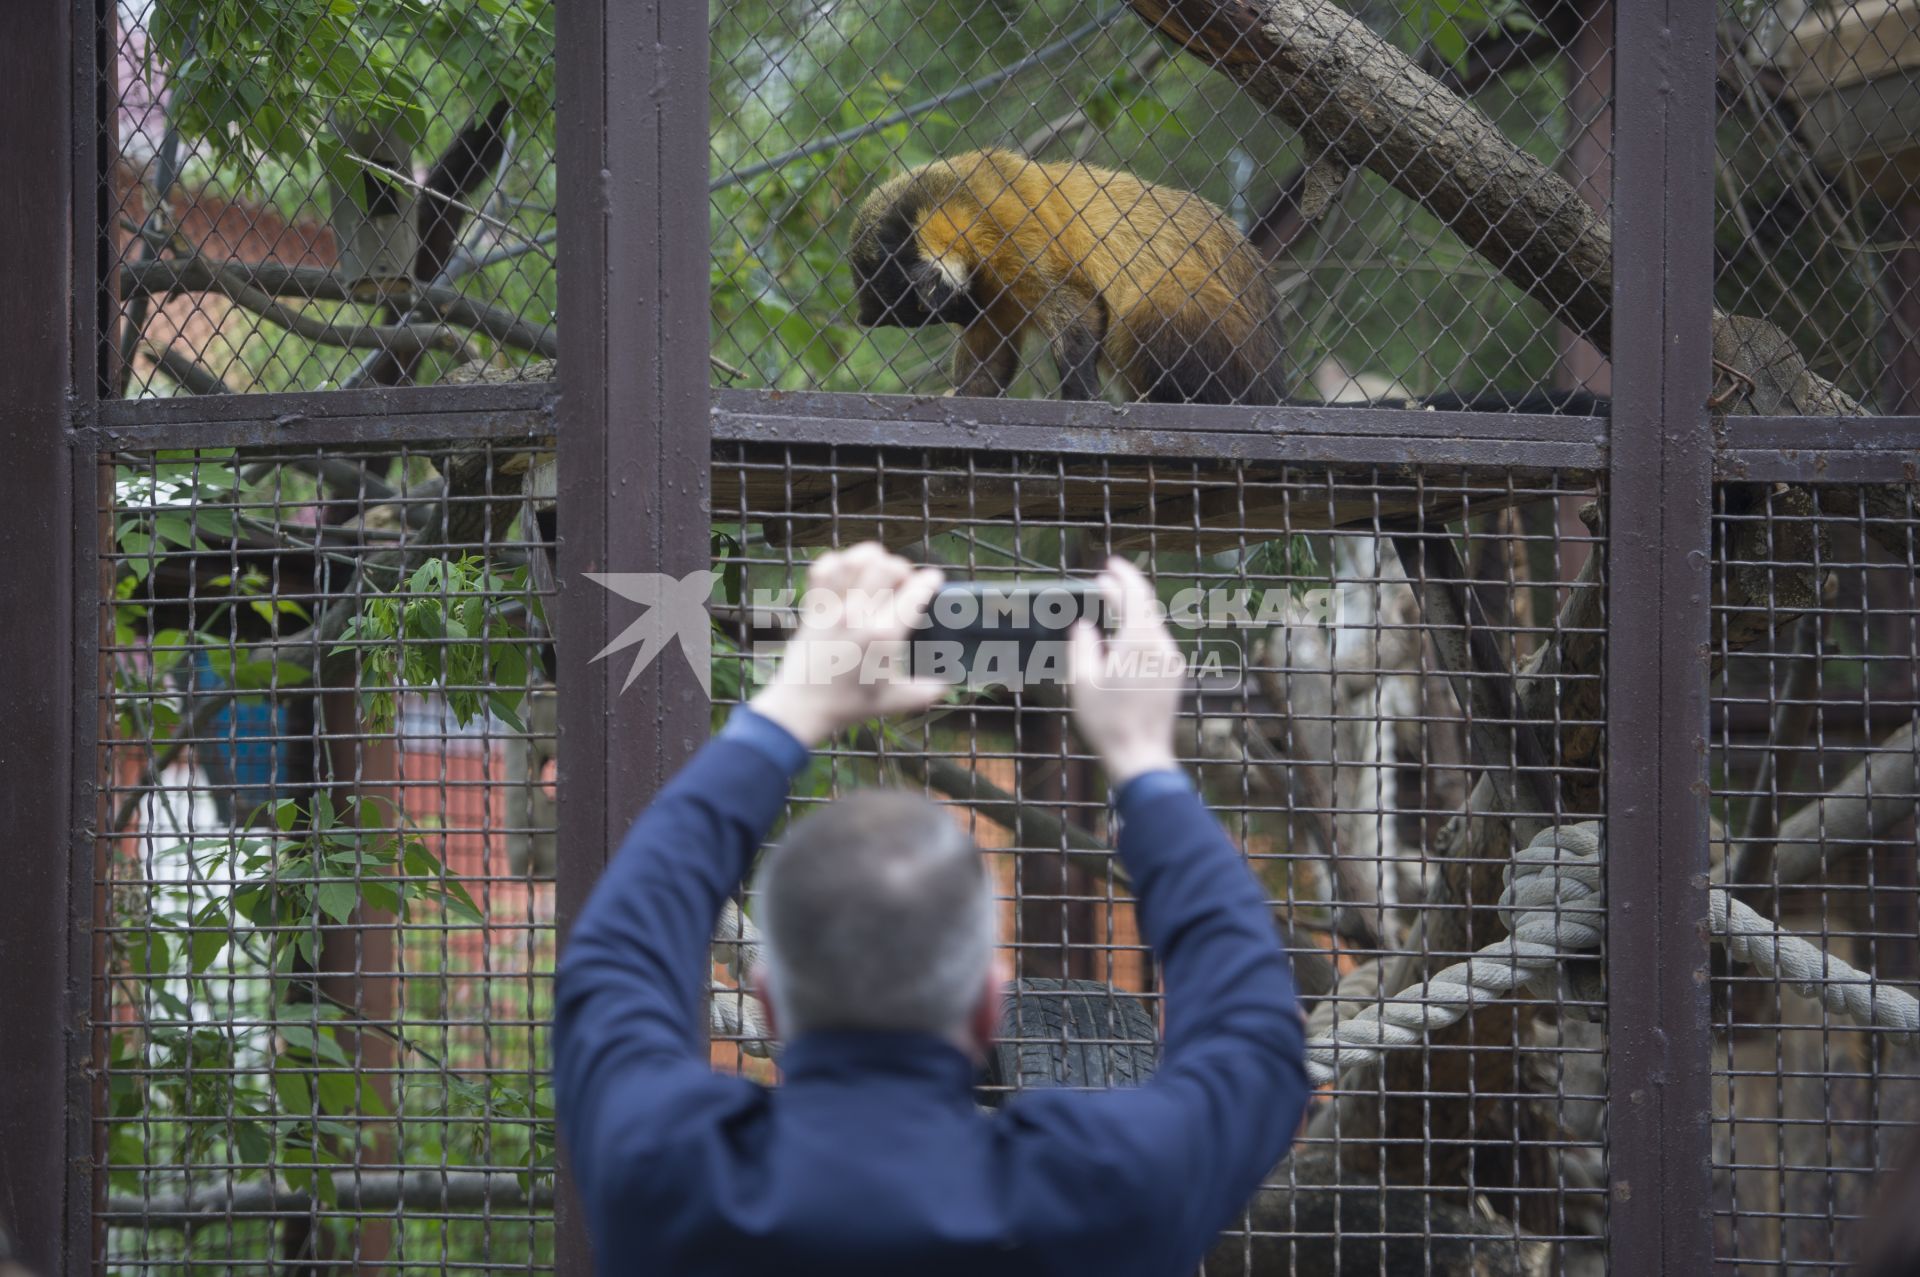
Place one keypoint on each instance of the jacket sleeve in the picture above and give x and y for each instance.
(630, 1064)
(1171, 1163)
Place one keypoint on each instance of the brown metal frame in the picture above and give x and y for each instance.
(1659, 1104)
(637, 421)
(43, 1119)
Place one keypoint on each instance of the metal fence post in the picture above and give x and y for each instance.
(36, 635)
(633, 422)
(1659, 502)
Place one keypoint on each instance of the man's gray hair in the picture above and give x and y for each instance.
(879, 915)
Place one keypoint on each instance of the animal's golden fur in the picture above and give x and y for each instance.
(1155, 282)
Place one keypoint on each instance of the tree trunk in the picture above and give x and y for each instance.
(1348, 90)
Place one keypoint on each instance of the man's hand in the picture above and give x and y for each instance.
(1126, 690)
(847, 661)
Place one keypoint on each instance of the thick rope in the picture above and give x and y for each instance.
(732, 1014)
(737, 946)
(1555, 905)
(1554, 908)
(1808, 969)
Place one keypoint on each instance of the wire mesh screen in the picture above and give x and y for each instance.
(1360, 729)
(1146, 231)
(324, 924)
(1817, 657)
(308, 197)
(1816, 186)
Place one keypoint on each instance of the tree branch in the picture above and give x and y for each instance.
(1352, 93)
(422, 1191)
(202, 275)
(402, 338)
(1510, 753)
(1874, 796)
(193, 376)
(1356, 898)
(1325, 72)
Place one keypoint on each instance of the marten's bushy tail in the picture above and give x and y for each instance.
(1202, 350)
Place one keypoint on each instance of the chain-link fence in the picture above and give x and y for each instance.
(305, 197)
(1473, 380)
(1132, 181)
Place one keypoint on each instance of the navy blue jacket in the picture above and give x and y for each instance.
(872, 1156)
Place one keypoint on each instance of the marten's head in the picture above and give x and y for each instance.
(896, 285)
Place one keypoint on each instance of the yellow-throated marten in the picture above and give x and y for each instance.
(1155, 282)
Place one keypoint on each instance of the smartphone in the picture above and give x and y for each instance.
(992, 623)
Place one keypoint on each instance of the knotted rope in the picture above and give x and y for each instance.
(735, 1013)
(1555, 906)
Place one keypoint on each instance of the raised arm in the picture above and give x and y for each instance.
(628, 1046)
(1186, 1151)
(629, 1062)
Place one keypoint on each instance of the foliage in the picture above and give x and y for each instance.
(1450, 24)
(226, 1049)
(266, 81)
(230, 1028)
(448, 627)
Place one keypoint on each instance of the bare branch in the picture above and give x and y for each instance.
(201, 275)
(1357, 897)
(421, 1192)
(193, 376)
(1511, 756)
(395, 337)
(1873, 797)
(1351, 92)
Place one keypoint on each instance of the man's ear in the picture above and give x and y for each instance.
(760, 984)
(985, 1026)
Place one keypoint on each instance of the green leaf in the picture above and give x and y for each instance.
(138, 547)
(175, 529)
(336, 899)
(255, 904)
(125, 1147)
(206, 946)
(319, 1046)
(382, 896)
(506, 708)
(457, 902)
(252, 1142)
(420, 862)
(337, 1092)
(296, 1098)
(150, 954)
